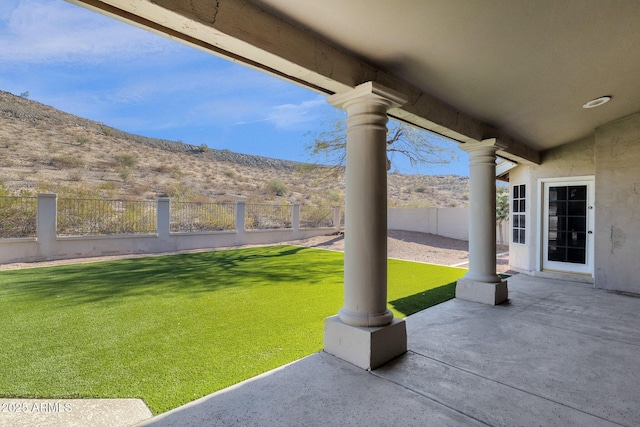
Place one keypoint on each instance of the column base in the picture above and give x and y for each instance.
(486, 293)
(365, 347)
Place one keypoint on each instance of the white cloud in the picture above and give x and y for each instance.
(56, 31)
(296, 116)
(300, 116)
(100, 68)
(171, 82)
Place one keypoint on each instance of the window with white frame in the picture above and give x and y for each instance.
(518, 215)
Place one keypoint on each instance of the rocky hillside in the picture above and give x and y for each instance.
(44, 149)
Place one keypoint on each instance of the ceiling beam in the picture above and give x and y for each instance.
(244, 33)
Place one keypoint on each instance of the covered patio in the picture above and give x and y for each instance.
(559, 353)
(508, 79)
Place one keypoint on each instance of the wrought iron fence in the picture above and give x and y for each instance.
(18, 217)
(316, 216)
(194, 216)
(265, 216)
(81, 217)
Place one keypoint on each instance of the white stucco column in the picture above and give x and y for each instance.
(481, 283)
(364, 332)
(163, 218)
(47, 224)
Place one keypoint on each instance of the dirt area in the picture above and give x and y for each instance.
(413, 246)
(406, 245)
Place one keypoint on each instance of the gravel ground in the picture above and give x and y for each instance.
(406, 245)
(414, 246)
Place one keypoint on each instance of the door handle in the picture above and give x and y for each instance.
(589, 232)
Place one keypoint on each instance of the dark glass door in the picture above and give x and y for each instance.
(567, 224)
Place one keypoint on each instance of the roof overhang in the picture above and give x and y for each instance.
(470, 70)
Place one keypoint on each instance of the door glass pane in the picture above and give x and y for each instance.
(576, 255)
(557, 193)
(567, 221)
(556, 254)
(562, 239)
(577, 192)
(576, 223)
(577, 208)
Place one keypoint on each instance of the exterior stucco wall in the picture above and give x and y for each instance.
(423, 220)
(570, 160)
(446, 222)
(617, 230)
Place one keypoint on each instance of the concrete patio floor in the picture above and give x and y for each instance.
(559, 353)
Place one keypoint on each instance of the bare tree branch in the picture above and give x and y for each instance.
(417, 146)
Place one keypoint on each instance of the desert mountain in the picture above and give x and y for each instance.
(43, 149)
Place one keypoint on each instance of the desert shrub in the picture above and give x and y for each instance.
(17, 213)
(17, 217)
(126, 159)
(421, 189)
(108, 186)
(202, 215)
(106, 130)
(77, 137)
(305, 168)
(267, 216)
(125, 162)
(164, 168)
(180, 192)
(140, 189)
(416, 203)
(176, 173)
(67, 162)
(124, 172)
(277, 187)
(315, 216)
(82, 139)
(97, 216)
(335, 196)
(75, 191)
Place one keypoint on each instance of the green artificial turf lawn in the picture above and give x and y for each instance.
(174, 328)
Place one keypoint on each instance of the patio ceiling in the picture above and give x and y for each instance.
(518, 71)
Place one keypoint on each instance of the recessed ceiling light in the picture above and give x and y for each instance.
(597, 102)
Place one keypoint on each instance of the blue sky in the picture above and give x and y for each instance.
(96, 67)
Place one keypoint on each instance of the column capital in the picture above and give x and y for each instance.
(370, 91)
(486, 146)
